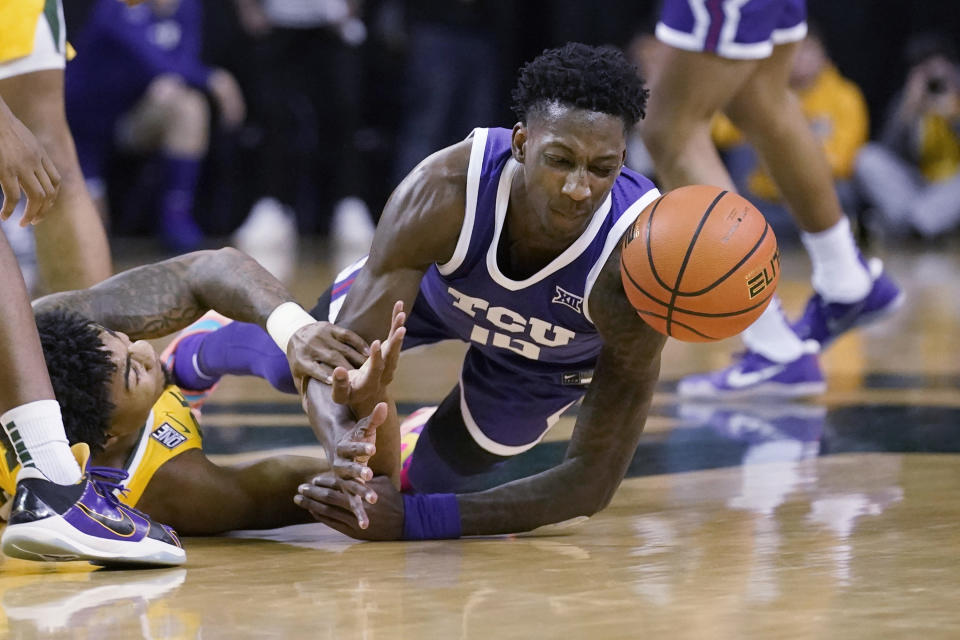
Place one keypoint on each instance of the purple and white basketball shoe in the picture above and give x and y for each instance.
(85, 521)
(752, 374)
(826, 321)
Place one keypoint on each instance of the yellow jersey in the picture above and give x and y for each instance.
(837, 113)
(19, 20)
(939, 147)
(169, 430)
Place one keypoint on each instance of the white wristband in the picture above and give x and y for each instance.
(286, 320)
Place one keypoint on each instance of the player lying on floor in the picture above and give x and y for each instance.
(119, 398)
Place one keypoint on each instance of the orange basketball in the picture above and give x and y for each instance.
(700, 263)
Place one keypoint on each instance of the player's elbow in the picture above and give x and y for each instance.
(594, 499)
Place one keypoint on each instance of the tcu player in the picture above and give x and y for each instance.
(510, 242)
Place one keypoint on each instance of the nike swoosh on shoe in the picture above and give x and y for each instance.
(124, 526)
(737, 379)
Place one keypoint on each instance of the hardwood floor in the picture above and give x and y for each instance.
(832, 518)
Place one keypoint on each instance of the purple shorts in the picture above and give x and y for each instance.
(739, 29)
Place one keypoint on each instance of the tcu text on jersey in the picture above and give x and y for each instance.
(521, 335)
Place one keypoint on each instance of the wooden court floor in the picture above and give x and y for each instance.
(833, 518)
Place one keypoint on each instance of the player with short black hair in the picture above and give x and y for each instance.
(612, 85)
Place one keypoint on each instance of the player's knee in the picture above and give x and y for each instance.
(755, 113)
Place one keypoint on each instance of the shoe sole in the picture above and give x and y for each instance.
(53, 539)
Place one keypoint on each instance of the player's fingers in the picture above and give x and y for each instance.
(398, 317)
(376, 359)
(356, 345)
(356, 506)
(325, 503)
(36, 199)
(52, 172)
(11, 197)
(396, 337)
(344, 355)
(392, 358)
(349, 469)
(48, 198)
(357, 451)
(340, 388)
(348, 486)
(328, 495)
(347, 495)
(367, 427)
(313, 369)
(336, 519)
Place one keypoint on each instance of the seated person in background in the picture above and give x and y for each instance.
(121, 399)
(837, 112)
(911, 177)
(138, 83)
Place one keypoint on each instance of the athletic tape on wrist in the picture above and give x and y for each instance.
(286, 320)
(430, 516)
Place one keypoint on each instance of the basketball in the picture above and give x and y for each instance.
(700, 263)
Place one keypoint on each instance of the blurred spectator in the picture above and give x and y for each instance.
(837, 113)
(308, 101)
(453, 75)
(911, 177)
(138, 85)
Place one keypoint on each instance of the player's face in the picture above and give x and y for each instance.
(138, 381)
(571, 158)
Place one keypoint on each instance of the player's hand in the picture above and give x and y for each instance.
(24, 164)
(349, 465)
(332, 507)
(361, 389)
(317, 349)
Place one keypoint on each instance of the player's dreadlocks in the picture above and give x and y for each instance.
(81, 371)
(593, 78)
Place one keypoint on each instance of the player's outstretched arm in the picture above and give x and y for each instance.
(197, 497)
(604, 439)
(420, 226)
(156, 299)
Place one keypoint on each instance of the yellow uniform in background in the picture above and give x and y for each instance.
(837, 112)
(939, 148)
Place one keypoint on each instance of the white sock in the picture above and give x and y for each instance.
(37, 434)
(772, 337)
(838, 274)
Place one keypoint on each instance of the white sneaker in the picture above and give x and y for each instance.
(269, 236)
(351, 232)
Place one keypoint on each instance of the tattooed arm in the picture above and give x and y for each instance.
(157, 299)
